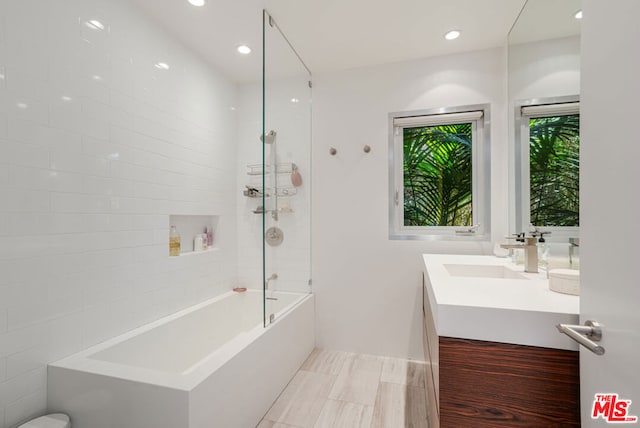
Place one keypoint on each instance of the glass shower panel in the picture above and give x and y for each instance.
(286, 146)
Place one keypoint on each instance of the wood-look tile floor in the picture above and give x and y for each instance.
(342, 390)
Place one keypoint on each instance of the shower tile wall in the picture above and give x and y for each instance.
(97, 147)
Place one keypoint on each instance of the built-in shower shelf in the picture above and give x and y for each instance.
(196, 253)
(188, 226)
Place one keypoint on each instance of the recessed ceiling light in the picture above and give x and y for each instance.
(578, 15)
(244, 49)
(65, 98)
(197, 2)
(295, 100)
(162, 65)
(95, 24)
(452, 35)
(96, 78)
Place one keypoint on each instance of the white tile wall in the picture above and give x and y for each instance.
(97, 149)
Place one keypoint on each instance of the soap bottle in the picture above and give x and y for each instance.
(197, 243)
(174, 242)
(209, 232)
(543, 252)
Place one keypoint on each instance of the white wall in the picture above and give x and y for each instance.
(368, 288)
(548, 68)
(87, 184)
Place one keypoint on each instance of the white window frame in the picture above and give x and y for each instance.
(480, 117)
(524, 111)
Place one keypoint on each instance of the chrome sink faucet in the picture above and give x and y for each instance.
(530, 251)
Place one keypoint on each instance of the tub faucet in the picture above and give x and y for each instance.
(271, 278)
(530, 252)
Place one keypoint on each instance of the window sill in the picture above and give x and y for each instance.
(439, 237)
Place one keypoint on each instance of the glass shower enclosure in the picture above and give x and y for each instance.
(285, 172)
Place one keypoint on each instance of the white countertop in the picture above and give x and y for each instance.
(520, 311)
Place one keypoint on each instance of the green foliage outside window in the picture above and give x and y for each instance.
(438, 175)
(554, 161)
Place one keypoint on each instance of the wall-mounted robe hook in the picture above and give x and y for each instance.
(366, 148)
(333, 151)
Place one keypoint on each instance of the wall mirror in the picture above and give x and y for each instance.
(544, 118)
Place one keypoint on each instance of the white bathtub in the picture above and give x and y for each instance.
(209, 366)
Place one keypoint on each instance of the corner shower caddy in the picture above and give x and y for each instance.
(254, 188)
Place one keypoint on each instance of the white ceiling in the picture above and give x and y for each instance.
(334, 34)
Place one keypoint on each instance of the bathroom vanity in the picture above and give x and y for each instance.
(494, 355)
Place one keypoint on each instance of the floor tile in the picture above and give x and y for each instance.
(403, 372)
(270, 424)
(342, 414)
(302, 400)
(325, 361)
(358, 380)
(399, 406)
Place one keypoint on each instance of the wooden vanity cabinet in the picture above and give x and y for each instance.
(475, 383)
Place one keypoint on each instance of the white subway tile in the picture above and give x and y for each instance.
(18, 340)
(4, 225)
(24, 200)
(78, 203)
(26, 361)
(107, 186)
(3, 125)
(41, 135)
(3, 370)
(67, 264)
(79, 163)
(35, 311)
(96, 324)
(108, 258)
(20, 154)
(160, 236)
(44, 179)
(27, 407)
(4, 174)
(68, 223)
(64, 109)
(3, 326)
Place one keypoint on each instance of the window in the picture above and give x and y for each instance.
(439, 172)
(548, 165)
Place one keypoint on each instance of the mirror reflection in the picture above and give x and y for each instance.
(544, 118)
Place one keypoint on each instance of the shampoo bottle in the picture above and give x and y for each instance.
(174, 242)
(209, 232)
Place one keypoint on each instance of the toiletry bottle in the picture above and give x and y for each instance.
(174, 242)
(204, 241)
(197, 243)
(543, 252)
(208, 230)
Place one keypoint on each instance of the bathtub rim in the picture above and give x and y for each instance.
(191, 377)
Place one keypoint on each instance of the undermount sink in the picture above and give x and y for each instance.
(482, 271)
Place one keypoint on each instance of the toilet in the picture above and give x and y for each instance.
(54, 420)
